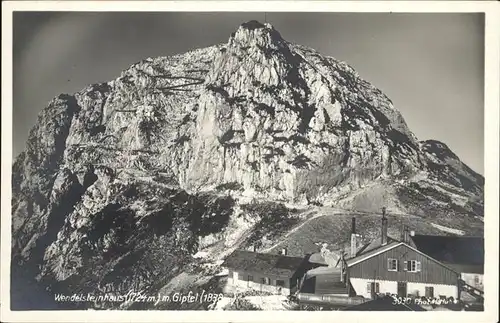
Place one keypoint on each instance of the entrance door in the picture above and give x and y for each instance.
(279, 285)
(374, 290)
(402, 289)
(235, 277)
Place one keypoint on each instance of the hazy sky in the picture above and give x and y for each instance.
(430, 65)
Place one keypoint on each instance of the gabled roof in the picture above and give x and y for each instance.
(374, 244)
(265, 263)
(452, 249)
(373, 252)
(390, 246)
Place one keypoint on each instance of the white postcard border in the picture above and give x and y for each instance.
(491, 142)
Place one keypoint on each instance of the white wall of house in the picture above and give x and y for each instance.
(242, 285)
(475, 280)
(385, 286)
(360, 285)
(418, 289)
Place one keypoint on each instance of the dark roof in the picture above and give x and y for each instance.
(384, 304)
(469, 269)
(264, 263)
(452, 249)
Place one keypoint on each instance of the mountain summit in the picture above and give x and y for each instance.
(158, 157)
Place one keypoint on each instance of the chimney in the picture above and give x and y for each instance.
(384, 228)
(353, 237)
(412, 233)
(406, 235)
(342, 266)
(283, 251)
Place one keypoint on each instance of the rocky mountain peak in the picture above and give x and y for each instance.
(254, 33)
(255, 53)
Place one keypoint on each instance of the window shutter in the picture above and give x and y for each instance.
(389, 264)
(405, 266)
(377, 288)
(418, 266)
(368, 287)
(397, 265)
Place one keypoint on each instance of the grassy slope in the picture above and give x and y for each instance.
(334, 229)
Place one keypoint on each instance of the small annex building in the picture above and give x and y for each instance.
(324, 281)
(274, 273)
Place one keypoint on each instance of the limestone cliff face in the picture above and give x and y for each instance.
(281, 119)
(257, 116)
(274, 117)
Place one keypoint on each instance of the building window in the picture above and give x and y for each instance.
(476, 279)
(413, 266)
(280, 283)
(429, 292)
(392, 264)
(266, 281)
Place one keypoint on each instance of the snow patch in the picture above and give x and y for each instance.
(448, 230)
(268, 303)
(222, 273)
(201, 254)
(222, 303)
